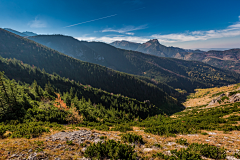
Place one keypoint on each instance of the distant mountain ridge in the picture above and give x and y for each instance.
(228, 59)
(186, 75)
(22, 34)
(52, 61)
(153, 47)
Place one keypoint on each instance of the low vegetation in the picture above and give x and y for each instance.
(110, 149)
(132, 138)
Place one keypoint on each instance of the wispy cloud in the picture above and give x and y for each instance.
(230, 31)
(91, 20)
(126, 30)
(129, 33)
(37, 23)
(115, 38)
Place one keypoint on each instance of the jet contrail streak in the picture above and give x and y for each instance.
(92, 20)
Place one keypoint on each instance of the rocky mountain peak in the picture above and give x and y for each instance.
(153, 41)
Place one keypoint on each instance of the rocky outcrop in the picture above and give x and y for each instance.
(77, 136)
(235, 98)
(217, 100)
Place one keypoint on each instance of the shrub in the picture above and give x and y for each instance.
(157, 145)
(103, 137)
(102, 127)
(132, 138)
(182, 141)
(204, 133)
(2, 131)
(177, 155)
(122, 128)
(69, 142)
(185, 154)
(237, 155)
(110, 150)
(208, 151)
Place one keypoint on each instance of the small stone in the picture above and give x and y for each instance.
(14, 155)
(147, 149)
(168, 153)
(231, 158)
(171, 143)
(33, 156)
(83, 149)
(212, 133)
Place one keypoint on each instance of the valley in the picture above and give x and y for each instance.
(61, 98)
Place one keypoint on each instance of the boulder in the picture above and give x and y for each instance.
(235, 98)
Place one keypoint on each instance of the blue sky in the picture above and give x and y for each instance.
(186, 23)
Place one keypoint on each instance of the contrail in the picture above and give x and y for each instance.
(92, 20)
(101, 18)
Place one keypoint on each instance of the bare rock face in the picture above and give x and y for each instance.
(214, 101)
(76, 136)
(222, 95)
(235, 98)
(217, 100)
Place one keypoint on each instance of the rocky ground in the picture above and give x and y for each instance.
(71, 144)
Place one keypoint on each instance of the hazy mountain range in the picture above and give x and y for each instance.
(23, 34)
(228, 59)
(186, 75)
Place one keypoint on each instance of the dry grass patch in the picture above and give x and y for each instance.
(204, 96)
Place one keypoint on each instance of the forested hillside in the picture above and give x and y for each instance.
(19, 71)
(13, 46)
(186, 75)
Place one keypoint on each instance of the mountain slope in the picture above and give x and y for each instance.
(13, 46)
(15, 32)
(15, 69)
(176, 73)
(228, 59)
(81, 50)
(22, 34)
(153, 47)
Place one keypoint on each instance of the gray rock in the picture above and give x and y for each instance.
(212, 133)
(33, 156)
(168, 153)
(76, 136)
(14, 155)
(84, 158)
(171, 143)
(235, 98)
(147, 149)
(222, 95)
(84, 149)
(231, 158)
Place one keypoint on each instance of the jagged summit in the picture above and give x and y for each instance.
(153, 41)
